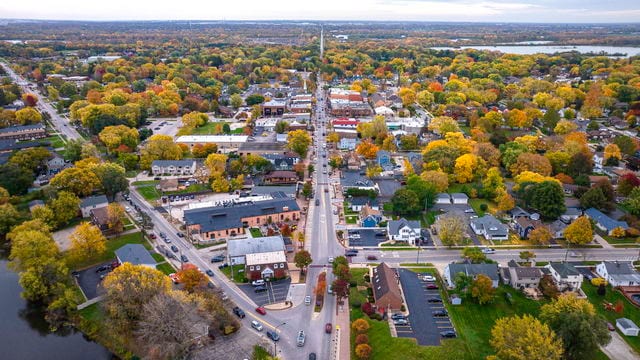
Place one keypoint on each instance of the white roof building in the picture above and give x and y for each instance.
(265, 258)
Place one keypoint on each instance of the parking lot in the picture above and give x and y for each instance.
(367, 237)
(89, 280)
(423, 326)
(276, 292)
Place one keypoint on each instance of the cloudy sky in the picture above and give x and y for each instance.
(557, 11)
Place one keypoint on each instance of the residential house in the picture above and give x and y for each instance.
(273, 108)
(370, 217)
(355, 180)
(598, 161)
(238, 249)
(220, 222)
(385, 284)
(91, 203)
(571, 214)
(348, 143)
(404, 230)
(356, 203)
(383, 158)
(604, 222)
(557, 229)
(521, 277)
(55, 163)
(135, 254)
(564, 275)
(280, 177)
(23, 132)
(518, 212)
(473, 270)
(459, 198)
(618, 273)
(490, 227)
(281, 162)
(269, 265)
(173, 167)
(524, 225)
(353, 161)
(627, 327)
(594, 179)
(100, 218)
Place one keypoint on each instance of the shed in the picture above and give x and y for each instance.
(627, 327)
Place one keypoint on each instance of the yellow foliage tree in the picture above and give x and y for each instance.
(438, 178)
(524, 338)
(367, 149)
(565, 127)
(579, 231)
(618, 232)
(612, 151)
(505, 201)
(465, 168)
(216, 163)
(87, 242)
(159, 147)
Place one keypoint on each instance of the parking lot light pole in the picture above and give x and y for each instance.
(275, 343)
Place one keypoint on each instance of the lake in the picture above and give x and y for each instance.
(551, 49)
(24, 333)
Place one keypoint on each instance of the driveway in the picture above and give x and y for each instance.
(61, 237)
(368, 237)
(277, 292)
(423, 326)
(618, 349)
(89, 280)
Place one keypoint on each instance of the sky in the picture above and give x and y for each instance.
(549, 11)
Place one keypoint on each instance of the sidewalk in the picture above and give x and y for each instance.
(343, 327)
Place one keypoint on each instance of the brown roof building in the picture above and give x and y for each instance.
(386, 288)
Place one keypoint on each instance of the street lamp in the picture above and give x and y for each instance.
(275, 343)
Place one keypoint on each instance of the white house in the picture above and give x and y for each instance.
(240, 248)
(598, 161)
(459, 198)
(173, 167)
(404, 230)
(443, 198)
(565, 275)
(490, 227)
(627, 327)
(618, 273)
(91, 203)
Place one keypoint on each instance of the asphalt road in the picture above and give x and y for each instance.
(60, 123)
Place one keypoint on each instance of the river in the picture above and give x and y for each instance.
(551, 49)
(24, 333)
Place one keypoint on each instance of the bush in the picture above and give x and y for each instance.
(403, 308)
(355, 303)
(483, 207)
(362, 339)
(598, 280)
(353, 283)
(375, 316)
(363, 351)
(367, 278)
(371, 299)
(602, 290)
(367, 308)
(360, 326)
(370, 291)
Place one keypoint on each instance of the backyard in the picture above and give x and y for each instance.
(213, 128)
(148, 189)
(112, 245)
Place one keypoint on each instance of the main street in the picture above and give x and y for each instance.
(60, 123)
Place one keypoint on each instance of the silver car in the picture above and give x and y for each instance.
(301, 337)
(256, 325)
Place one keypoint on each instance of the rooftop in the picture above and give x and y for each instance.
(266, 258)
(490, 270)
(212, 139)
(93, 200)
(243, 247)
(135, 254)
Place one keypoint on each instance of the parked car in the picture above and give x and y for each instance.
(180, 234)
(439, 313)
(256, 325)
(102, 268)
(434, 300)
(184, 258)
(372, 257)
(312, 356)
(448, 334)
(397, 316)
(209, 272)
(174, 248)
(328, 327)
(488, 251)
(217, 258)
(259, 289)
(301, 337)
(432, 286)
(307, 300)
(401, 322)
(350, 253)
(331, 259)
(611, 327)
(273, 335)
(259, 282)
(239, 312)
(261, 310)
(428, 278)
(152, 236)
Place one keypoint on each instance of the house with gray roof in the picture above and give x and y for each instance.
(473, 270)
(490, 227)
(173, 167)
(459, 198)
(135, 254)
(237, 250)
(404, 230)
(443, 198)
(618, 273)
(604, 222)
(564, 275)
(91, 203)
(356, 180)
(521, 277)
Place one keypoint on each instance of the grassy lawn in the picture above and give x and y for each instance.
(255, 232)
(149, 192)
(157, 257)
(347, 209)
(191, 189)
(624, 240)
(166, 268)
(630, 311)
(112, 245)
(476, 203)
(430, 217)
(145, 182)
(351, 219)
(210, 129)
(55, 140)
(237, 276)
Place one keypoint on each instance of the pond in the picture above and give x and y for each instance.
(551, 49)
(24, 333)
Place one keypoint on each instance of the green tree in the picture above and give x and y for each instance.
(73, 149)
(236, 101)
(405, 202)
(626, 144)
(302, 259)
(524, 338)
(547, 197)
(9, 216)
(593, 198)
(307, 189)
(633, 201)
(474, 254)
(45, 214)
(15, 179)
(112, 178)
(527, 255)
(32, 159)
(492, 183)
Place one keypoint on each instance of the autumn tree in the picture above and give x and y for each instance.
(302, 259)
(28, 116)
(482, 289)
(564, 127)
(466, 168)
(627, 182)
(127, 288)
(159, 147)
(298, 141)
(451, 229)
(115, 214)
(524, 338)
(443, 125)
(360, 326)
(115, 136)
(505, 201)
(236, 101)
(367, 149)
(87, 242)
(492, 183)
(220, 184)
(75, 180)
(44, 214)
(194, 119)
(531, 162)
(203, 150)
(65, 207)
(527, 255)
(474, 254)
(192, 278)
(612, 154)
(579, 232)
(363, 351)
(216, 163)
(439, 179)
(540, 235)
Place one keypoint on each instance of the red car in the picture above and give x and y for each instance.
(611, 327)
(260, 310)
(152, 235)
(327, 328)
(432, 286)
